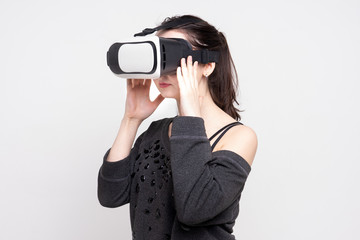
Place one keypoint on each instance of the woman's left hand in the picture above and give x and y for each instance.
(189, 96)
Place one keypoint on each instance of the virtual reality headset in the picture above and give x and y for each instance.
(152, 57)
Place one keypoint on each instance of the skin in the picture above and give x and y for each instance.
(189, 88)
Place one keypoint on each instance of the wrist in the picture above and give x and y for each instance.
(191, 111)
(129, 121)
(190, 114)
(124, 140)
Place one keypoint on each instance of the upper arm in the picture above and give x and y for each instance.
(242, 140)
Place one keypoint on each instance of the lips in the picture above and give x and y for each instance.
(164, 85)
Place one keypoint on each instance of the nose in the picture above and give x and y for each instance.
(163, 78)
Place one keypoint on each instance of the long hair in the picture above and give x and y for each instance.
(223, 81)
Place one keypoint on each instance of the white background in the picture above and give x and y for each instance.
(298, 64)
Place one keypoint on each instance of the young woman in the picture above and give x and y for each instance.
(184, 176)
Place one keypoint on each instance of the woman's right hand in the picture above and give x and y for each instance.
(138, 104)
(138, 107)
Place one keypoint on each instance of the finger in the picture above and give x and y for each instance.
(195, 73)
(189, 65)
(190, 70)
(184, 71)
(158, 100)
(139, 82)
(147, 82)
(180, 78)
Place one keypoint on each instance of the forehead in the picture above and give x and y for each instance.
(173, 34)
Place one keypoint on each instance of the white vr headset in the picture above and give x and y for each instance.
(152, 57)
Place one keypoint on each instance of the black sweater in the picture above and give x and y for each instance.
(177, 188)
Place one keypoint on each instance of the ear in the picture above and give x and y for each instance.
(208, 69)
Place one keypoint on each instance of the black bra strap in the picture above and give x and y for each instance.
(223, 130)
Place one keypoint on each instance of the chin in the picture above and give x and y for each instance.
(169, 94)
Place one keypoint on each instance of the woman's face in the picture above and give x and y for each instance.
(168, 84)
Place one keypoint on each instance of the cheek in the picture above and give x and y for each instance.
(174, 80)
(156, 82)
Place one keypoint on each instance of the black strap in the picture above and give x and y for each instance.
(223, 130)
(145, 32)
(204, 55)
(167, 25)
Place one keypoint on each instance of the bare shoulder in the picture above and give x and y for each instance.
(242, 140)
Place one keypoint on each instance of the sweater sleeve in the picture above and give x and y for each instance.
(205, 183)
(114, 179)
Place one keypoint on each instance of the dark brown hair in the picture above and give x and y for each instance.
(223, 81)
